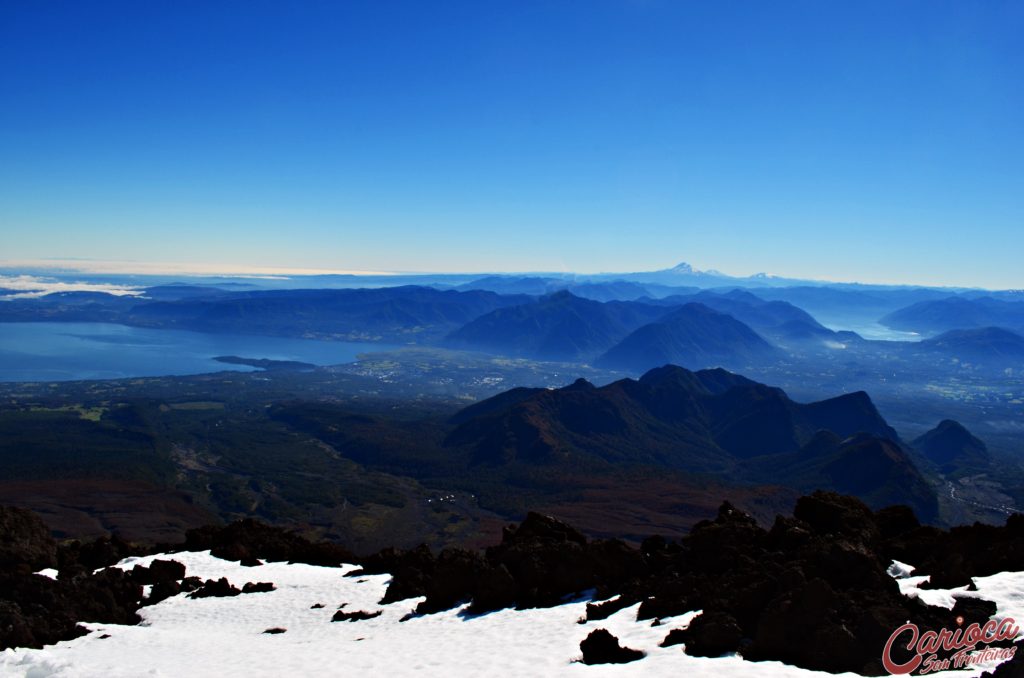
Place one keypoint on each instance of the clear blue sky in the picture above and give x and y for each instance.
(858, 140)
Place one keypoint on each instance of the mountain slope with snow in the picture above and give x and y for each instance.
(226, 637)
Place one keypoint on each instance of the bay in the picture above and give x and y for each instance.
(72, 351)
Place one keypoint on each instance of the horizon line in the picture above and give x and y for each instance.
(71, 265)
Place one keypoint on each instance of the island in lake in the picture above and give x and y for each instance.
(267, 364)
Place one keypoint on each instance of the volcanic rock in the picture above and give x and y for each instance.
(220, 588)
(358, 615)
(258, 587)
(601, 647)
(25, 540)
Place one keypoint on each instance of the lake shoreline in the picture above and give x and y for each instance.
(67, 351)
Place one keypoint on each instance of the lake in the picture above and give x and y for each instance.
(69, 351)
(875, 331)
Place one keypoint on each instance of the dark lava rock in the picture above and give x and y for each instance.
(316, 606)
(109, 597)
(601, 647)
(539, 528)
(75, 558)
(812, 591)
(539, 563)
(410, 571)
(220, 588)
(276, 630)
(546, 559)
(894, 521)
(494, 589)
(952, 557)
(805, 627)
(829, 513)
(358, 615)
(191, 584)
(37, 611)
(973, 610)
(599, 611)
(248, 540)
(674, 637)
(161, 591)
(258, 587)
(668, 594)
(710, 634)
(159, 571)
(453, 579)
(25, 541)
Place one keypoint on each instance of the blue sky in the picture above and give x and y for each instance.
(850, 141)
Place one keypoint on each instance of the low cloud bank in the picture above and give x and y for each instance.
(30, 286)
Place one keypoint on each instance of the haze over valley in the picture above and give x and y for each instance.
(398, 357)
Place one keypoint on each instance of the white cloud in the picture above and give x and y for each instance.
(64, 266)
(30, 286)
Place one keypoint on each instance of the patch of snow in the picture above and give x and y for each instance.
(900, 570)
(224, 637)
(1006, 590)
(910, 586)
(49, 573)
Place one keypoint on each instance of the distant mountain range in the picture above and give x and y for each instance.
(957, 313)
(729, 327)
(607, 290)
(685, 274)
(635, 335)
(780, 321)
(673, 279)
(388, 314)
(823, 299)
(837, 302)
(849, 304)
(384, 314)
(700, 329)
(985, 344)
(559, 326)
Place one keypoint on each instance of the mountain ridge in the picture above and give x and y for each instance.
(705, 422)
(692, 335)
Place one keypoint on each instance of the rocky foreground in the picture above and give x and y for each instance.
(813, 591)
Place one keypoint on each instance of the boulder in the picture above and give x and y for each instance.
(601, 647)
(710, 634)
(220, 588)
(161, 591)
(159, 571)
(248, 540)
(258, 587)
(358, 615)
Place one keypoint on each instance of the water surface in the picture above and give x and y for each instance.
(69, 351)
